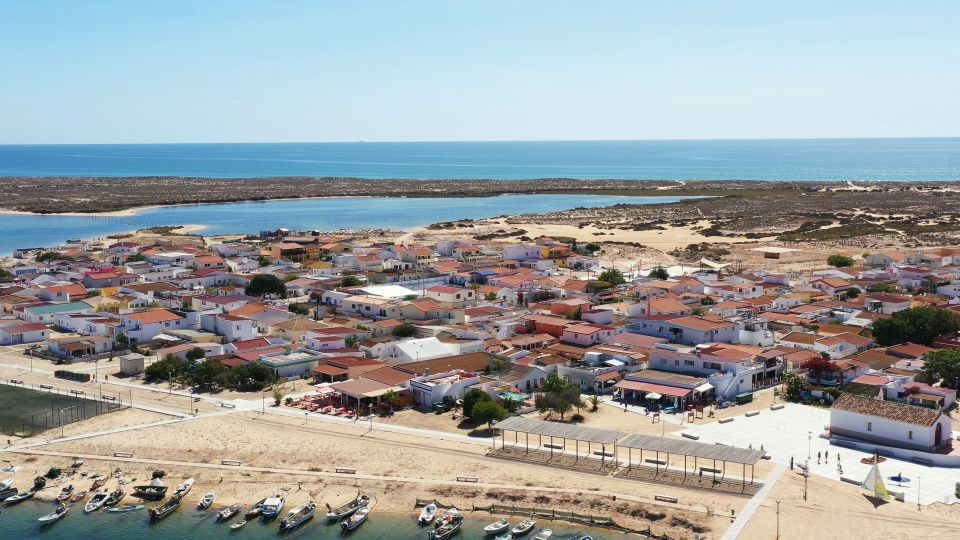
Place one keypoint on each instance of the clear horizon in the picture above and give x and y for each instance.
(110, 72)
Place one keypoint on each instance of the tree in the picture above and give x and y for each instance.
(707, 301)
(943, 366)
(48, 256)
(352, 341)
(613, 277)
(262, 260)
(404, 330)
(594, 403)
(852, 293)
(793, 384)
(350, 281)
(266, 284)
(554, 384)
(591, 248)
(490, 297)
(169, 368)
(839, 261)
(136, 257)
(576, 314)
(6, 277)
(299, 309)
(392, 398)
(882, 288)
(208, 374)
(277, 396)
(195, 354)
(698, 311)
(471, 398)
(917, 325)
(488, 412)
(819, 366)
(659, 273)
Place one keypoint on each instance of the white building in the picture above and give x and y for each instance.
(430, 389)
(890, 424)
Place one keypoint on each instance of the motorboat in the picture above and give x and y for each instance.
(228, 512)
(254, 510)
(7, 493)
(497, 527)
(427, 514)
(20, 497)
(184, 487)
(127, 508)
(356, 519)
(56, 515)
(346, 510)
(115, 497)
(524, 527)
(96, 501)
(450, 522)
(65, 494)
(152, 492)
(206, 501)
(272, 507)
(4, 484)
(543, 534)
(238, 525)
(167, 508)
(298, 516)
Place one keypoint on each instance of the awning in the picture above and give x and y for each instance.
(614, 363)
(703, 388)
(608, 376)
(329, 370)
(663, 389)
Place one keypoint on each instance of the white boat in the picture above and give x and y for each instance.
(448, 525)
(346, 510)
(427, 514)
(238, 525)
(497, 527)
(20, 497)
(184, 487)
(228, 512)
(206, 501)
(8, 468)
(57, 514)
(6, 483)
(272, 506)
(504, 536)
(544, 534)
(95, 502)
(356, 519)
(297, 516)
(524, 527)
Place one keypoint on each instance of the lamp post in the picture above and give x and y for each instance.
(918, 493)
(809, 443)
(778, 520)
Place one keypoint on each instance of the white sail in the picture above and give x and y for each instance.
(874, 483)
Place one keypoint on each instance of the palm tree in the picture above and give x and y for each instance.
(594, 403)
(392, 398)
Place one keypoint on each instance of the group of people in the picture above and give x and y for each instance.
(825, 456)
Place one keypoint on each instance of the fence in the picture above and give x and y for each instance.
(27, 409)
(573, 517)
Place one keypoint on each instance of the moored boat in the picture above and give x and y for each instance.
(524, 527)
(152, 492)
(255, 510)
(7, 493)
(56, 515)
(4, 484)
(20, 497)
(356, 519)
(427, 514)
(206, 501)
(77, 497)
(543, 534)
(504, 536)
(228, 512)
(297, 516)
(238, 525)
(96, 501)
(272, 507)
(65, 493)
(497, 526)
(115, 497)
(450, 522)
(127, 508)
(347, 510)
(167, 508)
(184, 487)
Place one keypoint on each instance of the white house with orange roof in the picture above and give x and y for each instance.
(144, 325)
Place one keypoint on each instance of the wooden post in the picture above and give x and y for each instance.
(743, 479)
(629, 459)
(576, 452)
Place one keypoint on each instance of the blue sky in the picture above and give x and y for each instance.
(209, 71)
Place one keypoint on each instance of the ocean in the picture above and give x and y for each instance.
(774, 159)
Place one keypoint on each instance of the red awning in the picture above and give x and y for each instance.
(332, 371)
(661, 389)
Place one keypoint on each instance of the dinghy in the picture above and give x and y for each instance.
(96, 501)
(206, 501)
(355, 520)
(127, 508)
(56, 515)
(497, 527)
(228, 512)
(427, 514)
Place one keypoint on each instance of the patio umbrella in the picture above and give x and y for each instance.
(653, 396)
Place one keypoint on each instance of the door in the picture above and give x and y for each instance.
(938, 435)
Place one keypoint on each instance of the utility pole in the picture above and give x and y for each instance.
(778, 520)
(918, 493)
(806, 475)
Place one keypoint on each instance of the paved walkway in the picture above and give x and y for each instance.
(747, 511)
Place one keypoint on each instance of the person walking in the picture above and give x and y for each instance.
(826, 456)
(818, 457)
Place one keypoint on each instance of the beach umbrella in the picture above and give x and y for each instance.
(653, 396)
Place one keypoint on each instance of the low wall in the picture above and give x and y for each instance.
(939, 460)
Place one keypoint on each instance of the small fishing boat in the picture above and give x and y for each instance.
(254, 510)
(427, 514)
(8, 468)
(184, 487)
(543, 534)
(165, 509)
(347, 510)
(127, 508)
(355, 520)
(77, 497)
(20, 497)
(65, 494)
(504, 536)
(96, 501)
(238, 525)
(228, 512)
(56, 515)
(76, 463)
(450, 522)
(206, 501)
(7, 493)
(152, 492)
(272, 506)
(298, 516)
(115, 497)
(497, 527)
(98, 483)
(523, 527)
(4, 484)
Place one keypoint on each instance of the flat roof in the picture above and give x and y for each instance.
(557, 430)
(719, 452)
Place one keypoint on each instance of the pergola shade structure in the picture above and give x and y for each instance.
(554, 431)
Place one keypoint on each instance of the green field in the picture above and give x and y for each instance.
(25, 412)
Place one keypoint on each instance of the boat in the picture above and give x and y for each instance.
(7, 493)
(298, 516)
(115, 497)
(524, 527)
(167, 508)
(504, 536)
(497, 526)
(98, 483)
(238, 525)
(254, 510)
(77, 497)
(272, 507)
(8, 468)
(206, 501)
(184, 487)
(152, 492)
(544, 534)
(347, 510)
(873, 484)
(57, 514)
(96, 501)
(228, 512)
(6, 483)
(20, 497)
(76, 463)
(427, 514)
(127, 508)
(357, 519)
(65, 493)
(449, 524)
(39, 483)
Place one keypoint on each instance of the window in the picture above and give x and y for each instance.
(869, 426)
(910, 435)
(688, 362)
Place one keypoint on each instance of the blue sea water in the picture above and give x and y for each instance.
(773, 159)
(30, 230)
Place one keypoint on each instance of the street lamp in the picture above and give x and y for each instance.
(809, 443)
(778, 520)
(918, 493)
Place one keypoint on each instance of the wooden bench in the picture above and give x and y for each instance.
(46, 387)
(666, 498)
(346, 471)
(18, 381)
(849, 480)
(233, 462)
(228, 405)
(554, 446)
(602, 453)
(922, 461)
(472, 479)
(655, 461)
(690, 436)
(752, 413)
(725, 420)
(711, 470)
(123, 454)
(777, 407)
